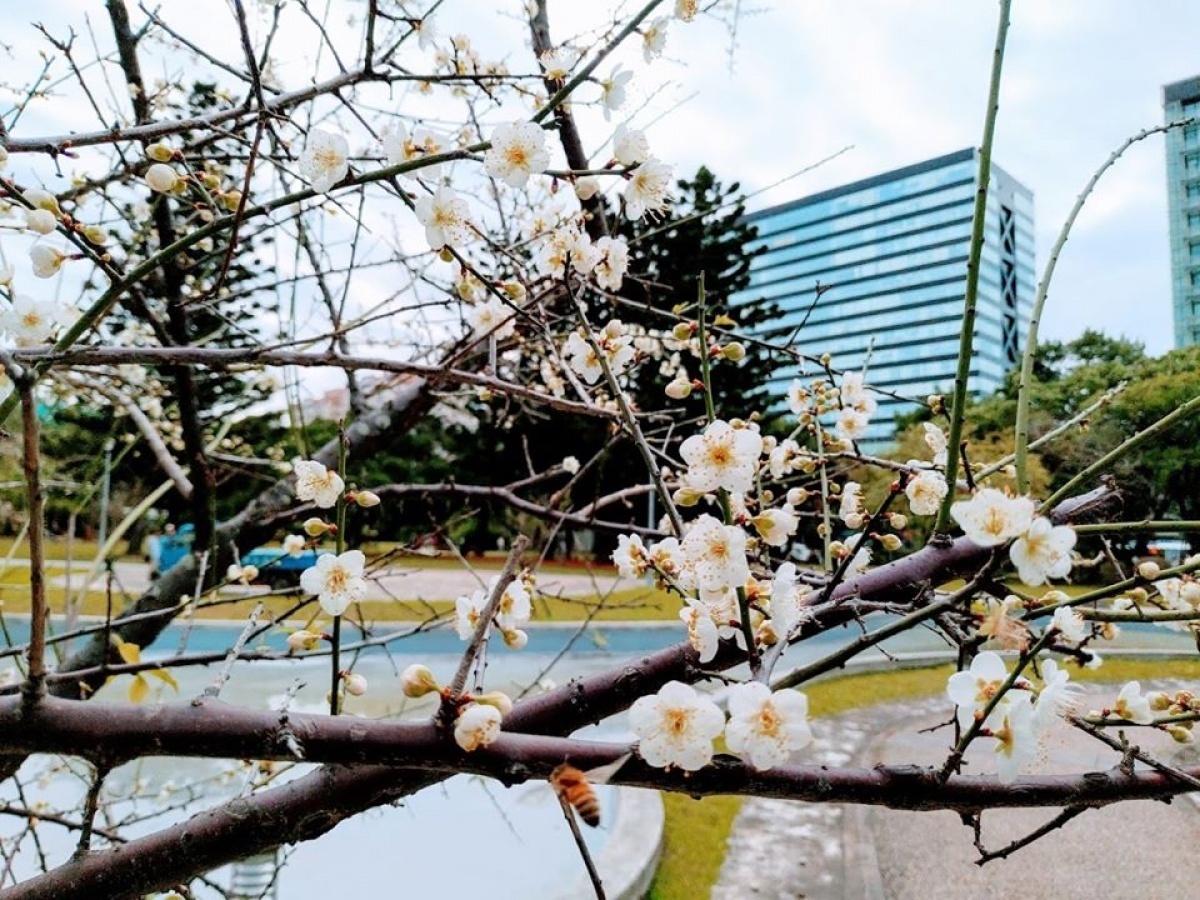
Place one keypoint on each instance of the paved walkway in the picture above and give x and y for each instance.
(783, 851)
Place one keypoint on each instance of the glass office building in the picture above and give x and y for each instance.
(1181, 100)
(890, 256)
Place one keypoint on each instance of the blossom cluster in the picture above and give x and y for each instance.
(677, 726)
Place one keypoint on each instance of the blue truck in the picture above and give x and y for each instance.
(276, 567)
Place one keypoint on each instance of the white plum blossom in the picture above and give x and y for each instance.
(935, 440)
(612, 263)
(1133, 705)
(29, 322)
(557, 63)
(1043, 552)
(337, 581)
(515, 607)
(775, 526)
(797, 397)
(293, 545)
(765, 727)
(788, 600)
(467, 611)
(974, 689)
(399, 148)
(991, 517)
(630, 146)
(318, 483)
(1070, 624)
(612, 90)
(630, 556)
(477, 726)
(925, 491)
(855, 395)
(570, 465)
(47, 259)
(685, 10)
(616, 346)
(703, 634)
(325, 159)
(1057, 695)
(714, 555)
(493, 318)
(427, 31)
(648, 190)
(568, 246)
(782, 457)
(1012, 724)
(722, 457)
(654, 38)
(850, 424)
(518, 150)
(676, 727)
(850, 509)
(513, 611)
(446, 217)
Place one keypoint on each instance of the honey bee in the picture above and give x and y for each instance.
(572, 786)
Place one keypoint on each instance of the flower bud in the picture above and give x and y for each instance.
(418, 680)
(682, 331)
(303, 640)
(446, 255)
(1149, 570)
(1159, 700)
(478, 725)
(316, 527)
(853, 521)
(686, 496)
(1181, 734)
(796, 496)
(515, 638)
(231, 200)
(355, 685)
(40, 199)
(498, 699)
(899, 521)
(587, 187)
(161, 178)
(96, 235)
(1139, 595)
(890, 542)
(40, 221)
(366, 499)
(160, 152)
(734, 351)
(678, 388)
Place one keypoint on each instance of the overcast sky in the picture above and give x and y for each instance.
(900, 81)
(905, 80)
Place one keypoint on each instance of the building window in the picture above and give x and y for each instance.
(1193, 221)
(1191, 162)
(1194, 251)
(1193, 192)
(1191, 107)
(1195, 278)
(1191, 135)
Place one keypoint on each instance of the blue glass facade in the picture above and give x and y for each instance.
(890, 254)
(1181, 100)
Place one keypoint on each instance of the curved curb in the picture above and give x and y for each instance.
(629, 858)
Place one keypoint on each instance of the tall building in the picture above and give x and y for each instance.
(1181, 100)
(890, 255)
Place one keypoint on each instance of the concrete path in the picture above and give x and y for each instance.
(787, 850)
